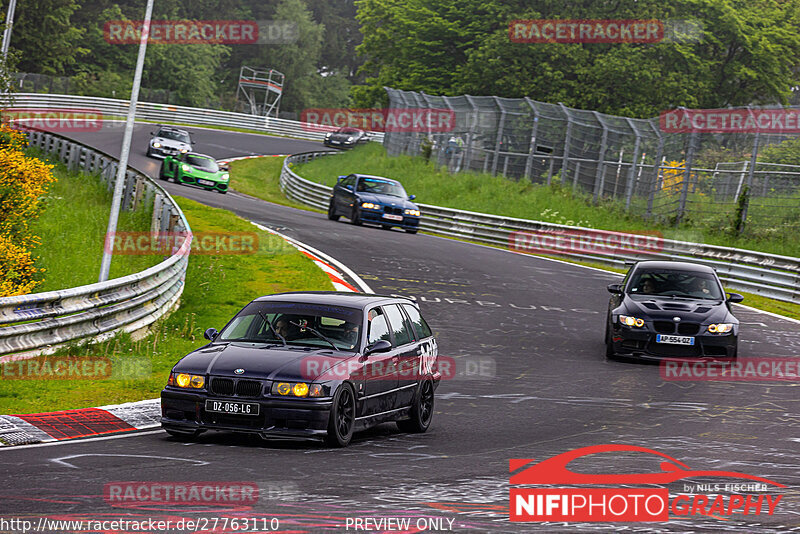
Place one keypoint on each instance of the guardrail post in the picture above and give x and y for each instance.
(599, 175)
(567, 141)
(632, 174)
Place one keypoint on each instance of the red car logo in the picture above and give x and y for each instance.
(554, 470)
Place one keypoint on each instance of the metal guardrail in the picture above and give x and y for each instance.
(41, 322)
(769, 275)
(147, 111)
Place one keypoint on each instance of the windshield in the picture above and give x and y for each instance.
(381, 187)
(207, 164)
(294, 322)
(348, 130)
(668, 282)
(174, 135)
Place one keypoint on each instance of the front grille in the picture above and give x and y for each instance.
(688, 329)
(392, 211)
(664, 327)
(222, 386)
(248, 388)
(666, 349)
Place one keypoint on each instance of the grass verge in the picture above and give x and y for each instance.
(216, 288)
(71, 247)
(260, 178)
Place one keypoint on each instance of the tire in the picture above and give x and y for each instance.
(332, 212)
(182, 435)
(161, 174)
(355, 217)
(149, 153)
(342, 418)
(421, 410)
(411, 230)
(610, 354)
(223, 192)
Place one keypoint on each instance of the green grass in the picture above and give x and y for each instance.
(72, 228)
(497, 195)
(216, 288)
(260, 178)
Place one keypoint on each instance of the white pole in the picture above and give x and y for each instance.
(7, 33)
(119, 184)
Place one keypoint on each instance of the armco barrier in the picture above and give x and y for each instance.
(167, 113)
(765, 274)
(40, 322)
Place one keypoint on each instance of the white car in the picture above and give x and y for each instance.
(169, 141)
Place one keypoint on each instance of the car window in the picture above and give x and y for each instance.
(422, 328)
(350, 180)
(378, 327)
(402, 331)
(675, 283)
(174, 135)
(382, 187)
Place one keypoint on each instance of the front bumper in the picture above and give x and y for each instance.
(338, 144)
(641, 344)
(376, 217)
(163, 152)
(301, 418)
(191, 180)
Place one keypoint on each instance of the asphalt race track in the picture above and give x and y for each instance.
(527, 336)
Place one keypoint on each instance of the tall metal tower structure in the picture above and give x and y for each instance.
(259, 91)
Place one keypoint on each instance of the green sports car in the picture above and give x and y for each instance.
(195, 169)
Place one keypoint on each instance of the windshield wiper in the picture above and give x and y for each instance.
(272, 328)
(319, 335)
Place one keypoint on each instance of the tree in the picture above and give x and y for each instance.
(747, 53)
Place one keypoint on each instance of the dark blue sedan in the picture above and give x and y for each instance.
(374, 199)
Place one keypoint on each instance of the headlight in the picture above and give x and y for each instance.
(720, 328)
(184, 150)
(350, 139)
(627, 320)
(298, 389)
(328, 135)
(186, 168)
(370, 206)
(156, 145)
(183, 380)
(224, 177)
(415, 213)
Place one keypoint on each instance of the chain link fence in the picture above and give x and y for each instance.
(711, 179)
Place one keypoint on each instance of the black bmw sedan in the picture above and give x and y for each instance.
(345, 137)
(318, 365)
(665, 309)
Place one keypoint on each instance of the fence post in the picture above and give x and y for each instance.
(532, 149)
(567, 140)
(656, 172)
(632, 175)
(749, 190)
(468, 151)
(599, 175)
(687, 173)
(499, 140)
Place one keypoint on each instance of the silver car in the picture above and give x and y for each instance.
(169, 141)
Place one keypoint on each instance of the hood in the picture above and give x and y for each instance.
(170, 143)
(388, 200)
(261, 363)
(694, 311)
(343, 136)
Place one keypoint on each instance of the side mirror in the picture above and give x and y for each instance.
(616, 289)
(412, 197)
(211, 334)
(349, 187)
(379, 346)
(735, 297)
(152, 133)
